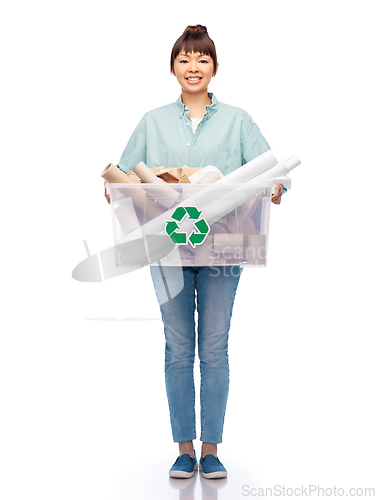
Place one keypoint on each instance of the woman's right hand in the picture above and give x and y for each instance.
(107, 196)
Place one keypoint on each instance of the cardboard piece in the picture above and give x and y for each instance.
(168, 175)
(175, 175)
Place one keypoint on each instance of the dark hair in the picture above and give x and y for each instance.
(194, 39)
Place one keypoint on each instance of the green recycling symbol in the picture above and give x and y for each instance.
(173, 230)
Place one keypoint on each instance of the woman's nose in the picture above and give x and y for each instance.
(193, 67)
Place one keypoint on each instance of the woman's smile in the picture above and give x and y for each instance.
(194, 79)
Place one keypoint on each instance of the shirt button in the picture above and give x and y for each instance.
(186, 107)
(187, 124)
(188, 144)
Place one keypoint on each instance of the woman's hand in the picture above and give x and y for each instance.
(277, 195)
(107, 196)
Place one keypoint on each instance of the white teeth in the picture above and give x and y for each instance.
(194, 79)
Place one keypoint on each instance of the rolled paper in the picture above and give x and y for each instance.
(126, 215)
(196, 177)
(281, 169)
(209, 178)
(138, 197)
(257, 166)
(113, 174)
(166, 196)
(145, 174)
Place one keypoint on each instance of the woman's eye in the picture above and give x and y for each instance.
(204, 61)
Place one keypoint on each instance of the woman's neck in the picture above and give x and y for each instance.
(196, 102)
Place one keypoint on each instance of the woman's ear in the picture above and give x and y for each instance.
(216, 71)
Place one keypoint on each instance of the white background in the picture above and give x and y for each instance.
(83, 406)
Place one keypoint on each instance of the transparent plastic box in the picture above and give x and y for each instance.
(192, 224)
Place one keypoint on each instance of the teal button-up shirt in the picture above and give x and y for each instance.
(227, 138)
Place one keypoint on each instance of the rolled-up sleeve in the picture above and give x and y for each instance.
(135, 150)
(253, 142)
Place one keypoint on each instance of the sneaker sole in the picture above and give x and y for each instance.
(214, 475)
(183, 474)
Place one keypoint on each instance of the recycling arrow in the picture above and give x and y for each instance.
(171, 230)
(202, 226)
(179, 214)
(180, 238)
(196, 238)
(171, 226)
(193, 212)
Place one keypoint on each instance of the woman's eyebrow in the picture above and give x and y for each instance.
(187, 55)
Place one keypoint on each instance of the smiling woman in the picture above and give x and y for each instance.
(193, 72)
(196, 130)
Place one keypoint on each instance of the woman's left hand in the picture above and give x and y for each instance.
(277, 195)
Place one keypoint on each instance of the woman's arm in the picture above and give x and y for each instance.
(134, 152)
(254, 144)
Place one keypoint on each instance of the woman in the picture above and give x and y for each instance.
(197, 131)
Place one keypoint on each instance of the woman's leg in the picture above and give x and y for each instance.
(179, 328)
(216, 289)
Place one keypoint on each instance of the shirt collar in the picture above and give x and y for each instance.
(183, 108)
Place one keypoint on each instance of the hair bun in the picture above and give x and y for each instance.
(196, 29)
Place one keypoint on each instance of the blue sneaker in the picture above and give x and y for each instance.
(184, 466)
(211, 467)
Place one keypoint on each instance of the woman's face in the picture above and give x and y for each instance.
(193, 71)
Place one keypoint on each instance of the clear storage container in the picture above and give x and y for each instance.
(191, 224)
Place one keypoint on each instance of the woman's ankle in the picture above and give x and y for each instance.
(186, 447)
(208, 449)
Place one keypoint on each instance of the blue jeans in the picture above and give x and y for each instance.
(215, 288)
